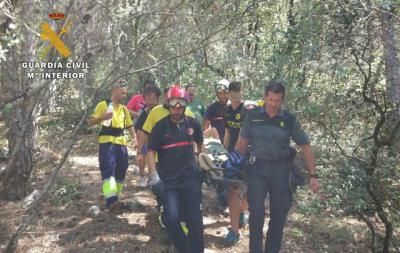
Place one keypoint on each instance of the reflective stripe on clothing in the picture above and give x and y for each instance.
(109, 187)
(178, 144)
(119, 187)
(113, 161)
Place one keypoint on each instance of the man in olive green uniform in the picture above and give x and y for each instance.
(268, 129)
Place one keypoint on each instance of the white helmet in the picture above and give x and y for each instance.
(222, 85)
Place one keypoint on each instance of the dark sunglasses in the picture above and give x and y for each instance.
(173, 102)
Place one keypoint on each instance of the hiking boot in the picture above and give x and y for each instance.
(243, 220)
(143, 182)
(118, 207)
(231, 238)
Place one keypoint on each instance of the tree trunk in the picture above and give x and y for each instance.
(392, 63)
(13, 185)
(22, 130)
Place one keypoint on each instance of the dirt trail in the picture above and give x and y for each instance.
(67, 227)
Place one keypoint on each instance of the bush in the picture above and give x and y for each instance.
(65, 192)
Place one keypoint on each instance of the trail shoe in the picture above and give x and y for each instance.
(143, 182)
(243, 220)
(119, 207)
(231, 238)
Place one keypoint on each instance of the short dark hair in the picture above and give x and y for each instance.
(275, 87)
(148, 82)
(152, 89)
(166, 89)
(120, 83)
(189, 85)
(235, 86)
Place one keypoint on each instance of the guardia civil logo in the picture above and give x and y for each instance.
(52, 35)
(54, 39)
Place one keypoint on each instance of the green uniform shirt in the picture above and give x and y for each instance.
(269, 137)
(198, 110)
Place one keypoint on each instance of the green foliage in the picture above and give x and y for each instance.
(328, 53)
(309, 206)
(64, 192)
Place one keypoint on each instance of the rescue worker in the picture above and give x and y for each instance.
(214, 117)
(268, 130)
(156, 114)
(113, 155)
(172, 138)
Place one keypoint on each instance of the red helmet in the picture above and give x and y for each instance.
(175, 91)
(176, 95)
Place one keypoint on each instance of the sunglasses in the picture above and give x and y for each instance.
(173, 102)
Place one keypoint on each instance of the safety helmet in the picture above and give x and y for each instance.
(222, 85)
(176, 95)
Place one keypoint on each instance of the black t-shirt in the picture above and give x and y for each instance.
(174, 145)
(142, 118)
(215, 114)
(233, 120)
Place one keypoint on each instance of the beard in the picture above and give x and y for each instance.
(176, 116)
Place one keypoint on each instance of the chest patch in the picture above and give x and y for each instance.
(237, 116)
